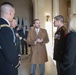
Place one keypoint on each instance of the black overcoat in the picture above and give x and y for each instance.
(68, 65)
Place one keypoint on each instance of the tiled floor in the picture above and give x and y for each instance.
(24, 69)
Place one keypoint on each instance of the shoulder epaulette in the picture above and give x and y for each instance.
(64, 28)
(4, 25)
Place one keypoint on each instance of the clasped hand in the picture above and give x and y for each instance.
(39, 40)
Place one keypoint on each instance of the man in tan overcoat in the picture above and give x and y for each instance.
(37, 38)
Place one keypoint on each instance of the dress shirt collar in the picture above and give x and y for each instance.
(37, 29)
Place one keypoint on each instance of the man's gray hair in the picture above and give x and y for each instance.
(59, 17)
(6, 7)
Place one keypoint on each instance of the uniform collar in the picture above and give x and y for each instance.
(60, 28)
(6, 21)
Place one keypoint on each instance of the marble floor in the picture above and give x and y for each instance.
(24, 69)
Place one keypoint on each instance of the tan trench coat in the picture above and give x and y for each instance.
(39, 53)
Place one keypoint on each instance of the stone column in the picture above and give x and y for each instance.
(55, 7)
(55, 13)
(35, 8)
(73, 6)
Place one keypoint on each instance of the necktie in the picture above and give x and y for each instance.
(24, 32)
(37, 31)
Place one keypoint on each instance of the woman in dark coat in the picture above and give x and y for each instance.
(68, 64)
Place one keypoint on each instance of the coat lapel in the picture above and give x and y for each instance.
(39, 32)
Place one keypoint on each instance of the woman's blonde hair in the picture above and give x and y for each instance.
(72, 23)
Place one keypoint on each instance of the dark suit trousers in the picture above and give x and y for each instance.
(58, 68)
(24, 45)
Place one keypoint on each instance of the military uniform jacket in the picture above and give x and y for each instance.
(59, 44)
(8, 53)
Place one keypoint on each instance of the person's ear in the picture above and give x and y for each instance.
(59, 21)
(10, 13)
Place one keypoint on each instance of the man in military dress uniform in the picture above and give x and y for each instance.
(8, 53)
(59, 44)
